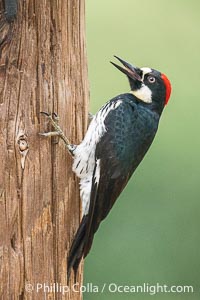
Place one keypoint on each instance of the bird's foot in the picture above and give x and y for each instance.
(53, 118)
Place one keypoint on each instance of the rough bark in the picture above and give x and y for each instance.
(42, 68)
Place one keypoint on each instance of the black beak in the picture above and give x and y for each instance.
(131, 71)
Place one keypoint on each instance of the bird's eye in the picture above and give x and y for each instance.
(151, 79)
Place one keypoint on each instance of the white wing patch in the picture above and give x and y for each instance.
(117, 103)
(85, 189)
(97, 172)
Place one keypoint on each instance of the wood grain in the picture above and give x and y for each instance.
(43, 67)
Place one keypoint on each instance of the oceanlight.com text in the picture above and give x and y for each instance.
(145, 288)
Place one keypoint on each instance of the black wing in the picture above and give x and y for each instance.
(114, 159)
(118, 153)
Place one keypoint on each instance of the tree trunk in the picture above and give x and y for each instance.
(42, 68)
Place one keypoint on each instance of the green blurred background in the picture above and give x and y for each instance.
(152, 233)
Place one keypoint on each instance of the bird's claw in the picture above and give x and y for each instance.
(52, 116)
(45, 113)
(49, 134)
(55, 116)
(58, 131)
(54, 122)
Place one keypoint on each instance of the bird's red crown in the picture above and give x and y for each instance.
(168, 87)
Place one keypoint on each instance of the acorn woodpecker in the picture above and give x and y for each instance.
(116, 141)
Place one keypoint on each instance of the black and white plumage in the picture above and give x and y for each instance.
(84, 154)
(104, 162)
(116, 141)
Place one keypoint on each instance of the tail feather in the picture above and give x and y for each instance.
(77, 249)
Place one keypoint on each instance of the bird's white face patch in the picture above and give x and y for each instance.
(145, 71)
(144, 94)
